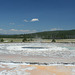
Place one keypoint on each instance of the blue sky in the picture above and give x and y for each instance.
(29, 16)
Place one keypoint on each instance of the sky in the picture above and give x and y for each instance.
(30, 16)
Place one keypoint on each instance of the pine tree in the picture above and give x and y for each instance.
(24, 40)
(53, 40)
(2, 40)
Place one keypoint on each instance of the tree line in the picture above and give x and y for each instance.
(64, 34)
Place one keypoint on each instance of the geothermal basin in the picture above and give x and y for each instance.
(40, 58)
(38, 52)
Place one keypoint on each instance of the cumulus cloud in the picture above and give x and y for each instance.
(54, 29)
(35, 19)
(16, 31)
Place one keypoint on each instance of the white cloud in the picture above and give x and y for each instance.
(24, 30)
(35, 19)
(16, 31)
(13, 30)
(54, 29)
(25, 20)
(32, 20)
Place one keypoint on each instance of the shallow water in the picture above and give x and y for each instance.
(34, 47)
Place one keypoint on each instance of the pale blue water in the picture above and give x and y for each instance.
(70, 48)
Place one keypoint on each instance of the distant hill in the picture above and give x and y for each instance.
(60, 34)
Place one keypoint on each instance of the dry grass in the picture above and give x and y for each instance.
(38, 40)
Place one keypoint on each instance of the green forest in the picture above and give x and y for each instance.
(62, 34)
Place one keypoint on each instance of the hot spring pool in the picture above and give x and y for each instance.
(38, 52)
(45, 49)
